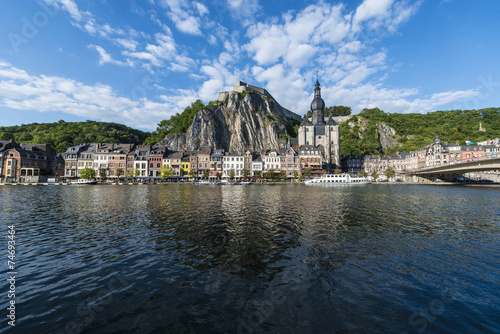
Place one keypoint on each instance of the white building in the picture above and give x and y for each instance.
(233, 161)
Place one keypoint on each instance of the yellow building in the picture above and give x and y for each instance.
(185, 167)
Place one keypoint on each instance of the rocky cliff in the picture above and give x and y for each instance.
(387, 136)
(365, 136)
(242, 121)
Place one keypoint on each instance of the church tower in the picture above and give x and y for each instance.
(321, 133)
(317, 105)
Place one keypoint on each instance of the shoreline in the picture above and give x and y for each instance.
(486, 184)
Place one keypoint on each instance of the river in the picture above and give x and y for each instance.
(181, 258)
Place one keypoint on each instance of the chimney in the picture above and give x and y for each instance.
(112, 147)
(488, 141)
(446, 143)
(458, 143)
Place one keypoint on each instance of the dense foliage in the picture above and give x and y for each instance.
(62, 135)
(415, 131)
(333, 111)
(179, 123)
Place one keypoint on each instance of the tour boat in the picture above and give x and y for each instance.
(82, 182)
(245, 183)
(338, 179)
(203, 183)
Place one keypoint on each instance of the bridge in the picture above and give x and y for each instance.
(460, 168)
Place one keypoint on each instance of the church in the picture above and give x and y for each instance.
(321, 132)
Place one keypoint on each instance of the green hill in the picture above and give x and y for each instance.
(62, 135)
(360, 135)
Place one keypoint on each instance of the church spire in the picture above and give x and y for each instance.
(317, 104)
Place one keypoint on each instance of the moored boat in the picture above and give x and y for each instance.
(338, 179)
(82, 182)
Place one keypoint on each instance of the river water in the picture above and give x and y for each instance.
(253, 259)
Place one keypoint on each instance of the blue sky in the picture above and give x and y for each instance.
(138, 62)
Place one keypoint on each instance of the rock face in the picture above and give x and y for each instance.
(243, 121)
(386, 135)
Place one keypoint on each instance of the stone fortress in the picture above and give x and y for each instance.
(241, 87)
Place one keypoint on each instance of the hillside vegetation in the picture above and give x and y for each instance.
(178, 123)
(414, 131)
(62, 135)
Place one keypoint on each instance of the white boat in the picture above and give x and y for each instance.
(338, 179)
(82, 182)
(203, 183)
(245, 183)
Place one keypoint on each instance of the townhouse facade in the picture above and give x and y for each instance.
(29, 162)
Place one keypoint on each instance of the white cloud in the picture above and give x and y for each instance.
(372, 9)
(22, 91)
(105, 57)
(183, 12)
(269, 44)
(390, 100)
(244, 11)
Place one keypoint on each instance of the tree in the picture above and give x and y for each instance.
(375, 175)
(295, 174)
(258, 173)
(205, 174)
(5, 136)
(232, 173)
(103, 174)
(245, 172)
(307, 173)
(192, 173)
(133, 173)
(363, 173)
(218, 175)
(390, 173)
(166, 172)
(337, 111)
(87, 173)
(119, 172)
(282, 175)
(270, 174)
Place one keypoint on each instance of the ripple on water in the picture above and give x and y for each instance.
(285, 259)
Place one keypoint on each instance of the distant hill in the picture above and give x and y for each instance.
(373, 131)
(62, 135)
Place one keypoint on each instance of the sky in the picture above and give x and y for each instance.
(137, 62)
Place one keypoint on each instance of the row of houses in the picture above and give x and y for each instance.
(120, 159)
(38, 162)
(29, 162)
(434, 155)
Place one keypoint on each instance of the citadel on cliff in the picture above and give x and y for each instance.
(318, 133)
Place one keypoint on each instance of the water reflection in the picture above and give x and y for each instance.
(288, 258)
